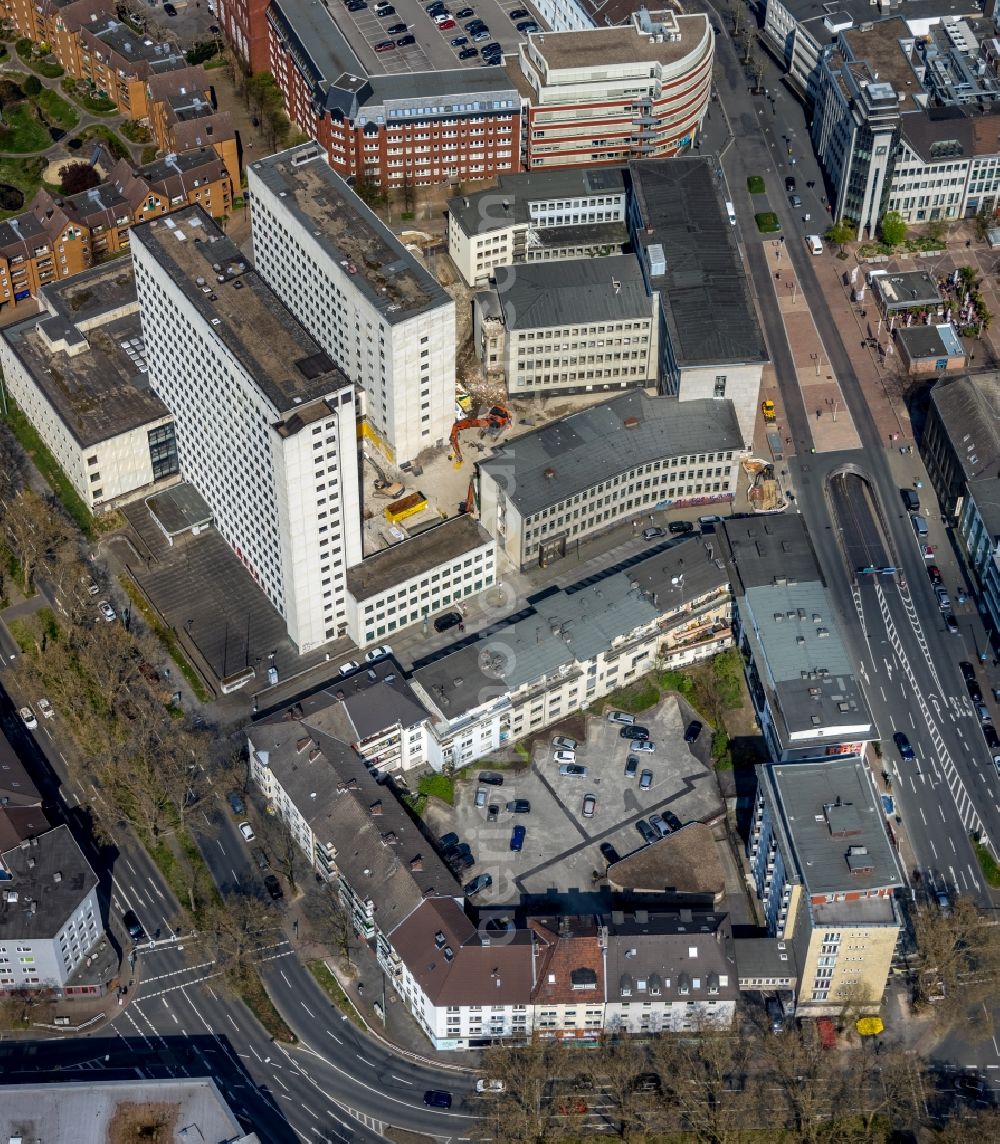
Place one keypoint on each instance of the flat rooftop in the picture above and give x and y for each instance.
(319, 199)
(878, 46)
(767, 549)
(97, 379)
(581, 291)
(286, 363)
(835, 822)
(813, 12)
(577, 452)
(930, 341)
(704, 292)
(909, 288)
(508, 203)
(419, 554)
(49, 877)
(621, 45)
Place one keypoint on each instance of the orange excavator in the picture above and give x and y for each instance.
(498, 418)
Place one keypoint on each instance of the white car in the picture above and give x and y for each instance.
(565, 756)
(490, 1086)
(646, 745)
(46, 708)
(247, 831)
(564, 743)
(443, 18)
(107, 611)
(28, 718)
(349, 668)
(377, 653)
(622, 717)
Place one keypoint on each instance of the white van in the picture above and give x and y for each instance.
(815, 243)
(731, 211)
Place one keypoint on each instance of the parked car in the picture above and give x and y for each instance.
(107, 611)
(383, 651)
(273, 887)
(622, 717)
(448, 620)
(968, 671)
(357, 5)
(951, 624)
(652, 533)
(464, 13)
(564, 743)
(169, 9)
(943, 599)
(910, 499)
(28, 718)
(489, 1085)
(384, 10)
(519, 14)
(405, 42)
(927, 551)
(492, 812)
(692, 732)
(468, 54)
(45, 708)
(644, 745)
(672, 820)
(478, 37)
(519, 806)
(647, 832)
(573, 770)
(448, 840)
(464, 860)
(261, 858)
(992, 738)
(447, 25)
(903, 746)
(982, 712)
(491, 778)
(975, 691)
(247, 831)
(479, 883)
(440, 18)
(474, 25)
(481, 795)
(517, 838)
(934, 573)
(349, 668)
(589, 805)
(680, 526)
(459, 41)
(657, 822)
(609, 853)
(564, 756)
(239, 807)
(396, 29)
(634, 732)
(437, 1097)
(645, 780)
(133, 926)
(528, 26)
(631, 766)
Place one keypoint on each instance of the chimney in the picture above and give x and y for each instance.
(416, 863)
(376, 808)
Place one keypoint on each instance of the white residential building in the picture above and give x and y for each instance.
(372, 307)
(50, 915)
(410, 582)
(265, 421)
(78, 373)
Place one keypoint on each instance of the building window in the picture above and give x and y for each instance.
(720, 385)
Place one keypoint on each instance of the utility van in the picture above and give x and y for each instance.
(815, 243)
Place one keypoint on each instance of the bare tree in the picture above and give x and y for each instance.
(959, 974)
(19, 1008)
(282, 847)
(34, 532)
(328, 922)
(528, 1110)
(621, 1062)
(235, 931)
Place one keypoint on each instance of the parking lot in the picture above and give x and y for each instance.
(433, 50)
(561, 850)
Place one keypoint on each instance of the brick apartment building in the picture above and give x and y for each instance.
(59, 236)
(606, 95)
(182, 116)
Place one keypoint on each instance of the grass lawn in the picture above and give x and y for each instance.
(438, 786)
(25, 174)
(755, 184)
(331, 987)
(767, 222)
(991, 871)
(24, 130)
(638, 696)
(56, 110)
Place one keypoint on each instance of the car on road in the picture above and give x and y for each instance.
(692, 732)
(934, 572)
(631, 766)
(609, 853)
(622, 717)
(481, 796)
(349, 668)
(107, 611)
(645, 780)
(405, 42)
(589, 805)
(448, 620)
(573, 770)
(483, 1085)
(437, 1097)
(459, 41)
(519, 806)
(447, 841)
(237, 803)
(397, 29)
(646, 745)
(468, 54)
(479, 883)
(247, 831)
(564, 756)
(634, 732)
(133, 926)
(564, 743)
(28, 718)
(658, 823)
(273, 887)
(528, 26)
(491, 778)
(951, 624)
(647, 832)
(903, 745)
(383, 651)
(672, 820)
(652, 533)
(478, 37)
(45, 708)
(680, 526)
(517, 836)
(789, 184)
(795, 200)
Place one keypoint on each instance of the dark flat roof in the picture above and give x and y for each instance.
(574, 292)
(704, 293)
(50, 873)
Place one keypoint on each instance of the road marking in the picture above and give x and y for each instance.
(400, 1079)
(308, 1010)
(335, 1037)
(306, 1108)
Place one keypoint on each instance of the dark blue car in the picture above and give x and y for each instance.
(517, 838)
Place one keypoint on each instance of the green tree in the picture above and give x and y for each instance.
(32, 85)
(892, 229)
(841, 233)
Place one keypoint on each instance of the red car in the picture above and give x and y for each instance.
(935, 573)
(573, 1106)
(385, 46)
(446, 25)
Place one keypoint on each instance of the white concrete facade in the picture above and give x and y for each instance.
(737, 383)
(35, 963)
(404, 365)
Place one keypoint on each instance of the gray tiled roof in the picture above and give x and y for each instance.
(593, 445)
(969, 408)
